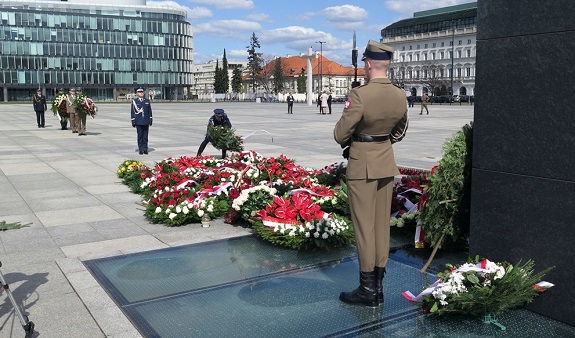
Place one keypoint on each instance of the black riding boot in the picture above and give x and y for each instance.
(223, 153)
(365, 294)
(379, 274)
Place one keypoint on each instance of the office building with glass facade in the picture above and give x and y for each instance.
(106, 49)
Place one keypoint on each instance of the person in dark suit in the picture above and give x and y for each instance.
(220, 118)
(329, 98)
(40, 107)
(290, 100)
(141, 114)
(374, 116)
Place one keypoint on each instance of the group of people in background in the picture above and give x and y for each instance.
(142, 118)
(77, 117)
(324, 103)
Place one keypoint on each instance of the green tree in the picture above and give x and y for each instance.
(278, 77)
(219, 85)
(224, 73)
(237, 80)
(302, 82)
(254, 60)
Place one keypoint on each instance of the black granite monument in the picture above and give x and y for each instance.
(523, 183)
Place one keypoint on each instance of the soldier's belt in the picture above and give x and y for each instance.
(367, 138)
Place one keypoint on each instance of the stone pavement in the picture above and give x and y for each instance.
(66, 187)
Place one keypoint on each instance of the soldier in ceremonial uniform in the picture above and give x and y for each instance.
(141, 113)
(40, 107)
(374, 117)
(220, 118)
(71, 109)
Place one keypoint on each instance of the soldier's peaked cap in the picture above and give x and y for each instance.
(377, 51)
(139, 89)
(218, 111)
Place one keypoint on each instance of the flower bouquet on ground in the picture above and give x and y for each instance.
(405, 204)
(85, 105)
(132, 174)
(481, 287)
(225, 138)
(297, 222)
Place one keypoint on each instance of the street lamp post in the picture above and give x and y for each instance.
(354, 63)
(320, 65)
(452, 56)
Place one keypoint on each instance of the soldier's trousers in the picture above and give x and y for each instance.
(40, 118)
(142, 137)
(370, 204)
(81, 123)
(74, 122)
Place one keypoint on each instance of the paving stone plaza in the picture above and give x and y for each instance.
(66, 187)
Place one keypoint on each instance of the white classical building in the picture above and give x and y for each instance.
(431, 44)
(204, 76)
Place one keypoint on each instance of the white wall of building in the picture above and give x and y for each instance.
(416, 56)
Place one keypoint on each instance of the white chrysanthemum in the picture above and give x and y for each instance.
(316, 234)
(200, 213)
(185, 210)
(178, 209)
(172, 215)
(158, 210)
(210, 208)
(325, 235)
(307, 234)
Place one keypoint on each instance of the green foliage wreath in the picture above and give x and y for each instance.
(446, 214)
(225, 138)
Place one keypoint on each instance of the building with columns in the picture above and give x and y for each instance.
(432, 44)
(106, 47)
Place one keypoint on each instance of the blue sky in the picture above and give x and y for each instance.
(290, 27)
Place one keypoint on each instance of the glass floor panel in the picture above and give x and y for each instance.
(245, 287)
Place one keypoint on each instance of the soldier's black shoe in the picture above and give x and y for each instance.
(141, 152)
(379, 274)
(365, 294)
(146, 152)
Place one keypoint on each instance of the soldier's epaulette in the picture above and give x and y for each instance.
(397, 85)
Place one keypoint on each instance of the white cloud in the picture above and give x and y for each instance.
(226, 4)
(345, 13)
(226, 28)
(301, 38)
(193, 13)
(199, 13)
(259, 17)
(421, 5)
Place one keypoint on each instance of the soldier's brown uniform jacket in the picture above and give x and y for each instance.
(375, 109)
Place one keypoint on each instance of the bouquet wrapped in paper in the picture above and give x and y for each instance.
(59, 106)
(86, 105)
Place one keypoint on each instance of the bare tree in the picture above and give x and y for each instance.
(433, 79)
